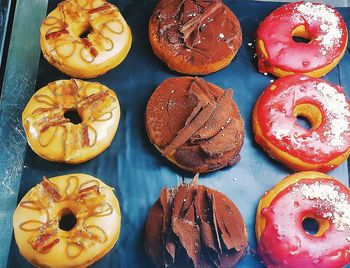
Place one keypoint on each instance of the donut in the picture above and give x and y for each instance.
(282, 211)
(325, 40)
(195, 124)
(321, 148)
(45, 239)
(85, 38)
(192, 225)
(194, 37)
(54, 136)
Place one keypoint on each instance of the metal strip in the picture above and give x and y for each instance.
(18, 86)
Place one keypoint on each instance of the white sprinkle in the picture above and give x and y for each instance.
(235, 179)
(265, 73)
(272, 80)
(330, 29)
(221, 35)
(338, 112)
(330, 199)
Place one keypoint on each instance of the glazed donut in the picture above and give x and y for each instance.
(282, 239)
(321, 148)
(106, 45)
(195, 124)
(194, 37)
(320, 24)
(53, 136)
(42, 238)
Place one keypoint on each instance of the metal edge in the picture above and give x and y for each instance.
(9, 4)
(18, 86)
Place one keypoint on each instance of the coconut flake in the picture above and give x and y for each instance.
(338, 113)
(329, 23)
(329, 198)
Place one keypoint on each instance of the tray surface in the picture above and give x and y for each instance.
(132, 165)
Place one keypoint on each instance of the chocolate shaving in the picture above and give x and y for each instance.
(154, 246)
(196, 227)
(218, 120)
(232, 229)
(192, 27)
(189, 236)
(226, 140)
(187, 132)
(211, 125)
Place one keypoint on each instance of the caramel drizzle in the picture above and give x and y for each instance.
(88, 52)
(46, 233)
(57, 120)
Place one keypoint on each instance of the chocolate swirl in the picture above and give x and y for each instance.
(195, 226)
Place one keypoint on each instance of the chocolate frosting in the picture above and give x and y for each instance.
(201, 31)
(195, 124)
(195, 226)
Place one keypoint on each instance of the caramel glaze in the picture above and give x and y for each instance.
(199, 31)
(284, 243)
(278, 123)
(276, 33)
(195, 226)
(195, 124)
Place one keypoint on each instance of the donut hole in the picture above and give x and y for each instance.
(73, 116)
(300, 39)
(85, 32)
(311, 226)
(67, 221)
(315, 226)
(304, 122)
(301, 35)
(308, 116)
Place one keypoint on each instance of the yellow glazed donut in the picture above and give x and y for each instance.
(37, 221)
(54, 137)
(63, 44)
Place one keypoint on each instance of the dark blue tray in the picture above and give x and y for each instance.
(132, 165)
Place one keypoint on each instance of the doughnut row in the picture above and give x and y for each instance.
(74, 220)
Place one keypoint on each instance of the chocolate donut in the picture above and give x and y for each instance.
(195, 226)
(195, 124)
(194, 36)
